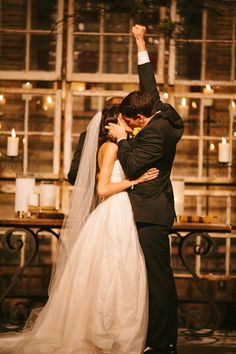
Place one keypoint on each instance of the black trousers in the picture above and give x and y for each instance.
(162, 325)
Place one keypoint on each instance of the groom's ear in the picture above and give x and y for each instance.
(141, 117)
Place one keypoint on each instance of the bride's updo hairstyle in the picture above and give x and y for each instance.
(109, 115)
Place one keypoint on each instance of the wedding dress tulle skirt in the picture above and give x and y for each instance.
(100, 305)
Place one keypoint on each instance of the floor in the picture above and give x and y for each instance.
(220, 343)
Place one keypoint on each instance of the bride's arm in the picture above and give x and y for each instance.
(107, 158)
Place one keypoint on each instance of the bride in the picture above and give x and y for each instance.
(98, 291)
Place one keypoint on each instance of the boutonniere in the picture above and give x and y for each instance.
(134, 132)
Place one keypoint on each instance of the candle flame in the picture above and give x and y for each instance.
(184, 102)
(223, 140)
(166, 95)
(13, 133)
(1, 97)
(212, 147)
(49, 100)
(233, 104)
(194, 105)
(208, 87)
(27, 84)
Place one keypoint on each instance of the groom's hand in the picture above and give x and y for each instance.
(123, 124)
(139, 33)
(117, 131)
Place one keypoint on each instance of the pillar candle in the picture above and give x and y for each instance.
(223, 151)
(232, 108)
(48, 195)
(208, 102)
(12, 144)
(24, 188)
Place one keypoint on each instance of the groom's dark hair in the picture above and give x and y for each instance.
(137, 102)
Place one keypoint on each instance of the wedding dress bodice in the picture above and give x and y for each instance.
(117, 172)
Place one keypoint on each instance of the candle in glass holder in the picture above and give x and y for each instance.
(12, 144)
(232, 108)
(183, 108)
(208, 102)
(223, 151)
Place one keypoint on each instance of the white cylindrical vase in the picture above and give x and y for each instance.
(25, 186)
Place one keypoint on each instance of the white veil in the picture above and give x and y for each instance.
(82, 200)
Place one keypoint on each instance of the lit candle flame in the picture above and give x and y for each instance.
(166, 95)
(212, 147)
(208, 87)
(13, 133)
(49, 100)
(184, 102)
(233, 104)
(1, 97)
(223, 140)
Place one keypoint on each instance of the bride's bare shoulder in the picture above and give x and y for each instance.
(107, 147)
(108, 150)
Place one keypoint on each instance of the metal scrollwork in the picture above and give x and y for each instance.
(203, 245)
(13, 243)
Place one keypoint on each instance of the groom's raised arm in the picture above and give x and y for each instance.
(145, 70)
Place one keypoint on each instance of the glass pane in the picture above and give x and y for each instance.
(40, 155)
(188, 109)
(42, 52)
(43, 14)
(183, 165)
(7, 201)
(12, 51)
(13, 14)
(216, 207)
(216, 119)
(216, 69)
(84, 109)
(12, 112)
(190, 205)
(188, 61)
(86, 54)
(41, 113)
(210, 158)
(220, 23)
(191, 21)
(87, 16)
(116, 52)
(114, 23)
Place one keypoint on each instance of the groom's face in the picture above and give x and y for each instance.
(131, 122)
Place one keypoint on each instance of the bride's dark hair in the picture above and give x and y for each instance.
(109, 115)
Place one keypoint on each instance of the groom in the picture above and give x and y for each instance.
(153, 201)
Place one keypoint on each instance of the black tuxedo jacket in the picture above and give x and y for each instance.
(154, 146)
(72, 174)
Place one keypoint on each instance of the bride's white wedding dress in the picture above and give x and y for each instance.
(101, 302)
